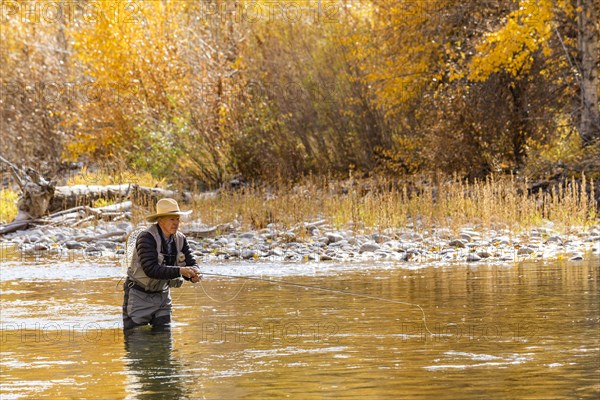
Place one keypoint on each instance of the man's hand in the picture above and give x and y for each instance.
(192, 273)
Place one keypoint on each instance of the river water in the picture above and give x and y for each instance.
(527, 330)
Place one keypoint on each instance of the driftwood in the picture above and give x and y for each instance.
(209, 231)
(81, 214)
(67, 197)
(36, 192)
(41, 202)
(14, 226)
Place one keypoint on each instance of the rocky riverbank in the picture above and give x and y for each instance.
(318, 242)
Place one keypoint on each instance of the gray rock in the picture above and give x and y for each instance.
(503, 240)
(291, 256)
(288, 237)
(94, 250)
(378, 238)
(484, 254)
(392, 244)
(472, 257)
(125, 226)
(37, 233)
(107, 244)
(247, 254)
(473, 234)
(381, 255)
(368, 247)
(341, 243)
(73, 245)
(593, 239)
(60, 237)
(465, 236)
(233, 252)
(554, 239)
(277, 252)
(457, 243)
(525, 251)
(333, 237)
(39, 247)
(576, 257)
(30, 238)
(248, 235)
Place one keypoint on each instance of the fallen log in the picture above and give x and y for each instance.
(66, 197)
(149, 196)
(211, 231)
(42, 202)
(14, 226)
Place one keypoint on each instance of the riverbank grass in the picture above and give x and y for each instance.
(375, 205)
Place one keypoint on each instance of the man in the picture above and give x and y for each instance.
(162, 260)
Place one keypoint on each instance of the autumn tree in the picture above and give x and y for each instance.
(35, 85)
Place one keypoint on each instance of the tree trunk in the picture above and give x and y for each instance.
(587, 21)
(519, 125)
(36, 192)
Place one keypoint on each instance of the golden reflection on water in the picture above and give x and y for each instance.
(514, 331)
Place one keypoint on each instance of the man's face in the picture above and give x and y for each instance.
(169, 224)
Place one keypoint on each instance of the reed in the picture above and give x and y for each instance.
(499, 203)
(374, 205)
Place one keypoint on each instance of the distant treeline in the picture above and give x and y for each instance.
(207, 90)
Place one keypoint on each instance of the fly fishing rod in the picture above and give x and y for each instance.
(323, 289)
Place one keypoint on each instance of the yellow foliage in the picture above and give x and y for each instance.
(133, 64)
(399, 62)
(511, 47)
(8, 205)
(103, 203)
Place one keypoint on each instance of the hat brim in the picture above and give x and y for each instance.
(154, 217)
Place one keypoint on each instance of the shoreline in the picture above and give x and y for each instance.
(318, 243)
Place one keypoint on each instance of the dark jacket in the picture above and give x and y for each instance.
(146, 250)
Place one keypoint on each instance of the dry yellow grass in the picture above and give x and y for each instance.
(373, 205)
(369, 206)
(102, 177)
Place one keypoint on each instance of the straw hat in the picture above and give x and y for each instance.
(166, 207)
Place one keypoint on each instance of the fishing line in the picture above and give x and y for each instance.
(118, 284)
(217, 300)
(323, 289)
